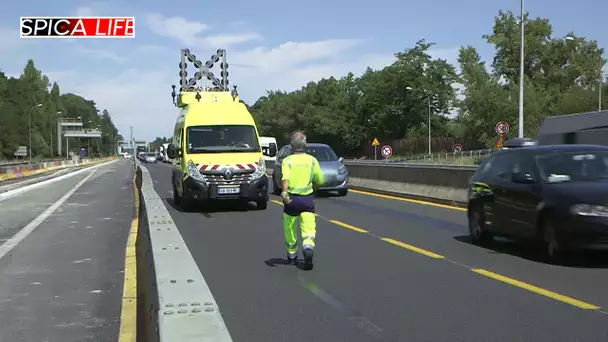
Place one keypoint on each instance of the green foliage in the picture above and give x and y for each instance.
(561, 77)
(157, 143)
(21, 97)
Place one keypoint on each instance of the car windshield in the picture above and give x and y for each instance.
(150, 154)
(322, 153)
(222, 138)
(578, 166)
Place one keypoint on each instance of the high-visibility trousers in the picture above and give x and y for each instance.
(302, 207)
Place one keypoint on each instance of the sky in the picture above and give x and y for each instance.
(271, 44)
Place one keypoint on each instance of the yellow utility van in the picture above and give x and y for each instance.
(215, 152)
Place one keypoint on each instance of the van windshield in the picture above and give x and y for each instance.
(222, 138)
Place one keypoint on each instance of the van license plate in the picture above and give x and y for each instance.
(228, 191)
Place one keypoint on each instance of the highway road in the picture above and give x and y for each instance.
(386, 269)
(62, 256)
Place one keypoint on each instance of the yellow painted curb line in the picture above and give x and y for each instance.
(128, 312)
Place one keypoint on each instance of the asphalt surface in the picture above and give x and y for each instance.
(64, 281)
(365, 289)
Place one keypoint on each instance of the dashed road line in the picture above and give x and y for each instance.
(504, 279)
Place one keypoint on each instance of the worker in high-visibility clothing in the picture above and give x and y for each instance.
(301, 175)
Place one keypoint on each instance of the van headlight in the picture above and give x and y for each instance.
(260, 169)
(194, 172)
(342, 170)
(589, 210)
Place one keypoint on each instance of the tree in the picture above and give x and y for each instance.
(561, 74)
(31, 96)
(561, 77)
(348, 111)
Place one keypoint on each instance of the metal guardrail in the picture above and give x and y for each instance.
(412, 165)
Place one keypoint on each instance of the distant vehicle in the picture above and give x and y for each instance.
(149, 157)
(553, 194)
(266, 142)
(336, 175)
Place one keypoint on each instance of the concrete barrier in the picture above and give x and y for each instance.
(441, 183)
(175, 303)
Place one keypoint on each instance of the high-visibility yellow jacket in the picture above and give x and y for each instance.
(302, 170)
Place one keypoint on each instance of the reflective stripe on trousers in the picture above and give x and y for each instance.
(308, 229)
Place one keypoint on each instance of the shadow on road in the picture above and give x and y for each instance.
(533, 252)
(274, 262)
(214, 207)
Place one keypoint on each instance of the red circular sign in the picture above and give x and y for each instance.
(386, 151)
(502, 128)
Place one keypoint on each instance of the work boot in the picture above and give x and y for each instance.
(292, 258)
(308, 255)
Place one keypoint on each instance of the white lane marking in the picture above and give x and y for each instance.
(14, 192)
(81, 261)
(27, 230)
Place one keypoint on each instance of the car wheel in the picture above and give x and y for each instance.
(177, 199)
(342, 192)
(187, 204)
(275, 189)
(553, 249)
(261, 205)
(477, 231)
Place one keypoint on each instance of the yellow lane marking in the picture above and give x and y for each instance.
(536, 289)
(276, 202)
(407, 200)
(348, 226)
(128, 314)
(413, 248)
(492, 275)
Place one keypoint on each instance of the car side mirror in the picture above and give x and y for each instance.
(271, 151)
(522, 178)
(172, 151)
(341, 160)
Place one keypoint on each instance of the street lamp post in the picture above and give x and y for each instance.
(30, 129)
(521, 74)
(429, 115)
(52, 153)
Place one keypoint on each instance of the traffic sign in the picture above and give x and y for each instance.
(386, 151)
(500, 141)
(457, 148)
(502, 128)
(375, 142)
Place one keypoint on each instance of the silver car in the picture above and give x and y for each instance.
(336, 175)
(150, 157)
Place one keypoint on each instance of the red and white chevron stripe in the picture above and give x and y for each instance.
(216, 167)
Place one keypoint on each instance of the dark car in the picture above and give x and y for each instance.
(556, 194)
(334, 171)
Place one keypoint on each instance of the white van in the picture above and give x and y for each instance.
(265, 143)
